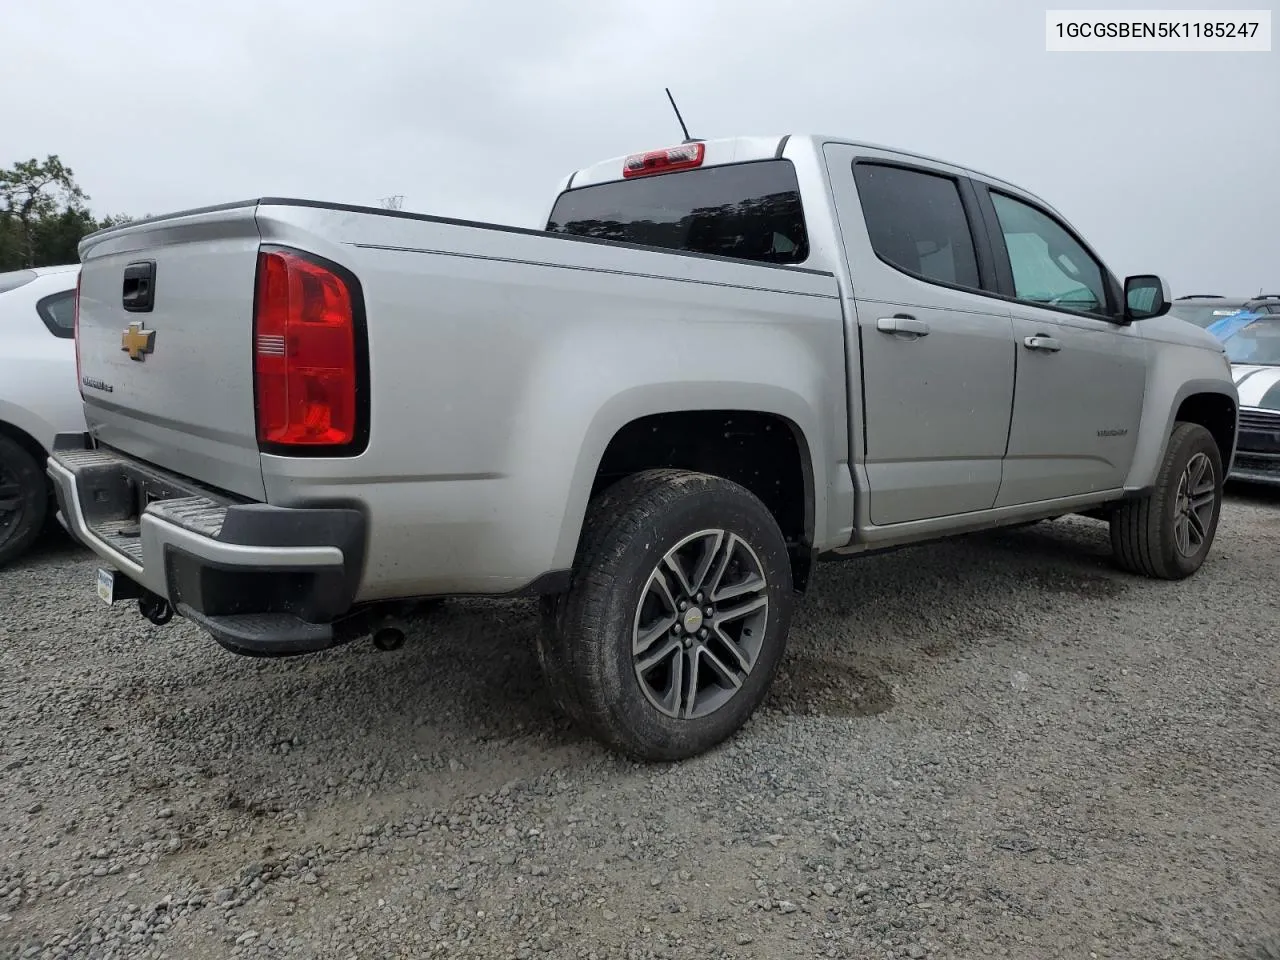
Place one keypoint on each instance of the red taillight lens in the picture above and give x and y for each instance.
(304, 346)
(684, 157)
(75, 333)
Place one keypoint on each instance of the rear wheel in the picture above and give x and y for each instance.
(24, 499)
(676, 618)
(1167, 534)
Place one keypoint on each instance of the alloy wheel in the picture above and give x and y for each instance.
(1194, 505)
(700, 624)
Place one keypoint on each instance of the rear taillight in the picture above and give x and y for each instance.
(684, 157)
(75, 333)
(307, 363)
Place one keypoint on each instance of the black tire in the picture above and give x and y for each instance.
(1143, 534)
(588, 635)
(22, 483)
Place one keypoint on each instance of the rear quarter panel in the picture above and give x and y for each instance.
(503, 363)
(38, 391)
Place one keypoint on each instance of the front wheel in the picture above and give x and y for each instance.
(1167, 534)
(676, 618)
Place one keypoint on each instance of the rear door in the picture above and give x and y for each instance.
(1081, 373)
(935, 353)
(166, 324)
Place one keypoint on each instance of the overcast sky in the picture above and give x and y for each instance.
(1166, 162)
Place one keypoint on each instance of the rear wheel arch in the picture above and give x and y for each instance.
(765, 452)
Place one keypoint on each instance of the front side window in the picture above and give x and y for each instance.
(1049, 266)
(58, 312)
(748, 211)
(917, 223)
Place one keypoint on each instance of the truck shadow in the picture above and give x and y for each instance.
(354, 736)
(53, 545)
(867, 620)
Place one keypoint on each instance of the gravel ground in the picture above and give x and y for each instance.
(996, 746)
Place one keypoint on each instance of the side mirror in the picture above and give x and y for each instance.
(1145, 296)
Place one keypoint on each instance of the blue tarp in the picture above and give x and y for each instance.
(1232, 324)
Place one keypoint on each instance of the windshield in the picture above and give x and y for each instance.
(1202, 316)
(1257, 342)
(750, 211)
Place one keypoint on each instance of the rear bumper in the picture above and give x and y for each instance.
(261, 579)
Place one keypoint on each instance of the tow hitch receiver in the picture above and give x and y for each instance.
(114, 587)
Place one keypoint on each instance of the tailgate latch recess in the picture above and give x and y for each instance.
(138, 294)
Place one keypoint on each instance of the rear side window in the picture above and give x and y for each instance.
(917, 223)
(748, 211)
(58, 311)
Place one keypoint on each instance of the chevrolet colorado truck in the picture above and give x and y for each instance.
(716, 364)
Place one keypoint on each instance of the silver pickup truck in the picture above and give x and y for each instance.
(716, 364)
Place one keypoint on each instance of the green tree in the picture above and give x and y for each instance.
(32, 194)
(54, 238)
(43, 215)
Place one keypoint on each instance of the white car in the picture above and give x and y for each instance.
(39, 395)
(1252, 344)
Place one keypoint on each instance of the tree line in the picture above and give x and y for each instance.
(44, 214)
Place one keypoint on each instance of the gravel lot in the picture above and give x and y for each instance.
(997, 746)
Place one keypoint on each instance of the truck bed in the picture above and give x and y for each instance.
(468, 325)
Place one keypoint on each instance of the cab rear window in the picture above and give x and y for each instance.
(747, 211)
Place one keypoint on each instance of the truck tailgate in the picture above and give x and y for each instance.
(165, 343)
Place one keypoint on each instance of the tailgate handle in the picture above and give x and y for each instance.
(139, 293)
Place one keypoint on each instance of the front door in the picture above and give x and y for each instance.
(931, 357)
(1081, 375)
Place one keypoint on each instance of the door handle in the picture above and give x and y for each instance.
(903, 324)
(1046, 344)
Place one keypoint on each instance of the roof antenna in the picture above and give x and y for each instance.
(687, 138)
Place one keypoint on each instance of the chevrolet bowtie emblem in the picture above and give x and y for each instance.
(138, 342)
